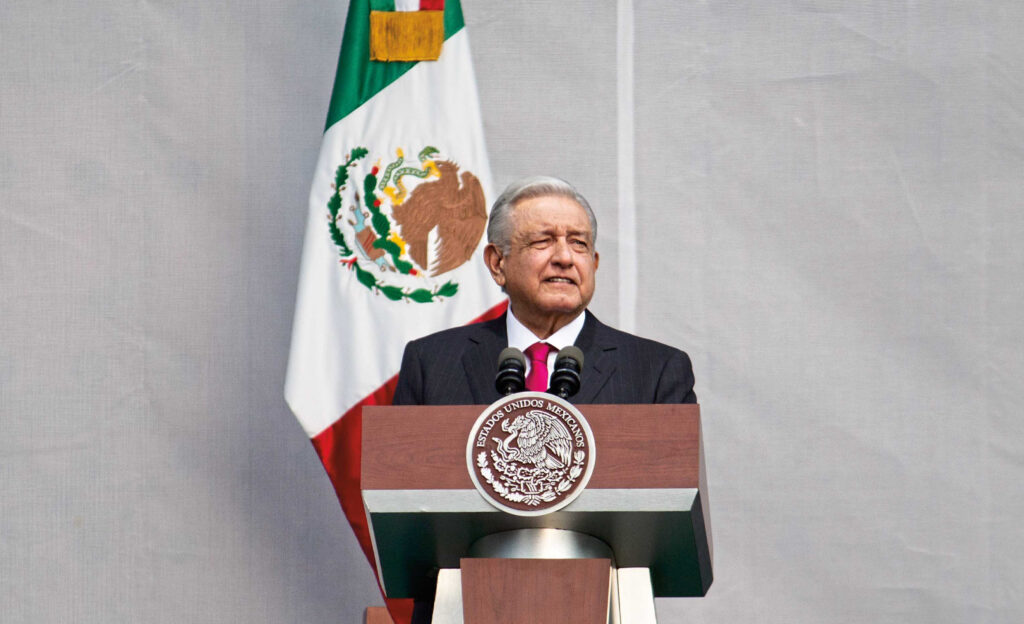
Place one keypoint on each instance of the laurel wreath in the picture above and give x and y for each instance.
(533, 500)
(382, 225)
(574, 472)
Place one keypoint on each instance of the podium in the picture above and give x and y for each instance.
(640, 529)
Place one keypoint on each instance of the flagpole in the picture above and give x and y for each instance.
(628, 271)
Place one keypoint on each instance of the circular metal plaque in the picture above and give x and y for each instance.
(530, 453)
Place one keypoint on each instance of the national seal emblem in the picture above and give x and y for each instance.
(530, 453)
(402, 227)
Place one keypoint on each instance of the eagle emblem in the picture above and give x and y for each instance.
(541, 440)
(403, 225)
(543, 461)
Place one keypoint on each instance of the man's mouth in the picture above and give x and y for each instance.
(560, 280)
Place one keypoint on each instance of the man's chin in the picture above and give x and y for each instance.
(563, 307)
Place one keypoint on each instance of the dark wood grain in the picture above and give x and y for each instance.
(535, 591)
(638, 446)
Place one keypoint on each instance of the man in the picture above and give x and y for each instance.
(540, 251)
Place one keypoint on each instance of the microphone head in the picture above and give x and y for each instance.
(573, 353)
(511, 353)
(565, 379)
(511, 377)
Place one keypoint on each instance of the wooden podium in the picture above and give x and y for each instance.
(640, 529)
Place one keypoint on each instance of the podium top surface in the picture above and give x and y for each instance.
(637, 446)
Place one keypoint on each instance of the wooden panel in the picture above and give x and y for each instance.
(654, 446)
(535, 591)
(378, 615)
(649, 446)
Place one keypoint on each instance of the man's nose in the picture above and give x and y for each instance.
(562, 253)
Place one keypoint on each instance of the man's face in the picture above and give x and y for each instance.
(548, 272)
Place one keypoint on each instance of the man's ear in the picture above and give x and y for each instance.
(495, 262)
(597, 260)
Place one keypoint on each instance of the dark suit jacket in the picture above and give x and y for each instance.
(457, 367)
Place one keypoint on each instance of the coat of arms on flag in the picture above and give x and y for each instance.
(402, 226)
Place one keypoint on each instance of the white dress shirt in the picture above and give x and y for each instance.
(521, 338)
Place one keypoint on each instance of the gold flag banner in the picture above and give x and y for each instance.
(406, 35)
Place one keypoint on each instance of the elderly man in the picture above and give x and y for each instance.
(541, 252)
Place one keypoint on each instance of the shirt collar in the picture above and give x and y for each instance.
(520, 337)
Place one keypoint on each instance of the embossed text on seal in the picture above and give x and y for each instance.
(530, 453)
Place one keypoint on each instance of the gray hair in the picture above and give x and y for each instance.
(499, 224)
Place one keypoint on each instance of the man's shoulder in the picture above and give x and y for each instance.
(607, 335)
(447, 367)
(641, 370)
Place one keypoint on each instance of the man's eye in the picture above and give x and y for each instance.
(579, 244)
(540, 243)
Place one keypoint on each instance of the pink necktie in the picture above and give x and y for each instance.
(537, 380)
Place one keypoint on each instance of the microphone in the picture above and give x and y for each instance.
(511, 377)
(565, 380)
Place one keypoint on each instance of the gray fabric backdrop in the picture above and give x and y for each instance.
(828, 212)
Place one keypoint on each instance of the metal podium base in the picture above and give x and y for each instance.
(631, 595)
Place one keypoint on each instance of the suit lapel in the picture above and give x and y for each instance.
(598, 359)
(480, 359)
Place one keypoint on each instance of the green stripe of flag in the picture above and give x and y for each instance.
(358, 78)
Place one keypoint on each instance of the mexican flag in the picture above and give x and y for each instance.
(395, 234)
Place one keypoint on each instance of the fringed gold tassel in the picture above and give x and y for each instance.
(406, 35)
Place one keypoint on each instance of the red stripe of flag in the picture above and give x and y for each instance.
(340, 450)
